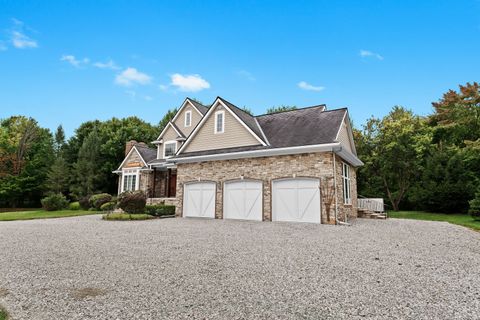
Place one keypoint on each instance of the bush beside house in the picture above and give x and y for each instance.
(132, 201)
(160, 210)
(97, 200)
(53, 202)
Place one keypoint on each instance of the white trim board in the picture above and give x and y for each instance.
(170, 123)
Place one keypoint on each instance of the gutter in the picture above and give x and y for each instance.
(259, 153)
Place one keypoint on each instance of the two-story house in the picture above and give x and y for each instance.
(221, 162)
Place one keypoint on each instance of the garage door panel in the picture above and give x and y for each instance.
(199, 200)
(296, 200)
(243, 200)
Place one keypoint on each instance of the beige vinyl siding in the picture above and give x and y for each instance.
(169, 135)
(180, 121)
(344, 138)
(234, 135)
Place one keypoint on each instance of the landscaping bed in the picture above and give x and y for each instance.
(120, 216)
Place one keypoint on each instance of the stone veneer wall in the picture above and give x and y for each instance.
(344, 209)
(265, 169)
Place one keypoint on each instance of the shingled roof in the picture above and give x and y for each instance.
(148, 154)
(302, 127)
(299, 127)
(203, 109)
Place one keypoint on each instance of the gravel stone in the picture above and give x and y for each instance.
(86, 268)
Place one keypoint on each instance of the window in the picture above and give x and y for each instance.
(169, 149)
(219, 121)
(188, 118)
(130, 179)
(346, 183)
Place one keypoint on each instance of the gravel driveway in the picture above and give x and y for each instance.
(86, 268)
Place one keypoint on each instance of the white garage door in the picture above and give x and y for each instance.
(199, 200)
(296, 200)
(243, 199)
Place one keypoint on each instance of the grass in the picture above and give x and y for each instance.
(460, 219)
(3, 314)
(127, 216)
(42, 214)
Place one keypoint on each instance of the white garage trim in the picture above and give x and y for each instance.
(243, 199)
(199, 199)
(296, 200)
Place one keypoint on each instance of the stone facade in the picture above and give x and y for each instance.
(267, 169)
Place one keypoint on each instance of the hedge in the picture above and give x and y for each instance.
(160, 210)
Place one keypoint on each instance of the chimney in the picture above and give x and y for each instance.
(129, 145)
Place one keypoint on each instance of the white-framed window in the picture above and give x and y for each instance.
(130, 179)
(219, 121)
(347, 199)
(169, 149)
(188, 118)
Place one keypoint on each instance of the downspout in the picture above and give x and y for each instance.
(335, 185)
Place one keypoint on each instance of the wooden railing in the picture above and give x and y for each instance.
(371, 204)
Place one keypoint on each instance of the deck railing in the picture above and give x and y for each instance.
(371, 204)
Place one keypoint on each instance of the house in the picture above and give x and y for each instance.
(221, 162)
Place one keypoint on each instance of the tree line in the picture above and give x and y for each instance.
(414, 162)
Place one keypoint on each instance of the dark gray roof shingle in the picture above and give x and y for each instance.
(301, 127)
(148, 154)
(203, 109)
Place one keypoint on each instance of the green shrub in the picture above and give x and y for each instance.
(84, 202)
(54, 202)
(97, 200)
(74, 206)
(126, 216)
(160, 210)
(132, 201)
(475, 207)
(108, 206)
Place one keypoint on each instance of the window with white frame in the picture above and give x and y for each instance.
(188, 118)
(219, 121)
(346, 183)
(169, 149)
(130, 180)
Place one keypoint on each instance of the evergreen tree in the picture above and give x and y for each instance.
(59, 142)
(58, 179)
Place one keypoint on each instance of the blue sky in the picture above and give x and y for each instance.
(72, 61)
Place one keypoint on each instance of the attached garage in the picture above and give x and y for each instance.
(296, 200)
(199, 199)
(242, 199)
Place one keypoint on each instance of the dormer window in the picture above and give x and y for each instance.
(219, 121)
(188, 118)
(169, 149)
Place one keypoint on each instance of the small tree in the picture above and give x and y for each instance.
(327, 189)
(281, 108)
(58, 176)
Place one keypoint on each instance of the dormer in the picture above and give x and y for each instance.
(189, 115)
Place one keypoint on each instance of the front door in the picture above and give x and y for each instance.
(172, 184)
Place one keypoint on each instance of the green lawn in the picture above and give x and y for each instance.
(460, 219)
(3, 314)
(42, 214)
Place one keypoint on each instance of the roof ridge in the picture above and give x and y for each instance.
(231, 104)
(297, 109)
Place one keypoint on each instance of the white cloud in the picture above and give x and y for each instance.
(74, 61)
(306, 86)
(22, 41)
(189, 83)
(366, 53)
(107, 65)
(131, 76)
(246, 74)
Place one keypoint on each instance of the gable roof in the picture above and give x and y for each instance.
(239, 114)
(169, 124)
(248, 119)
(302, 127)
(145, 153)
